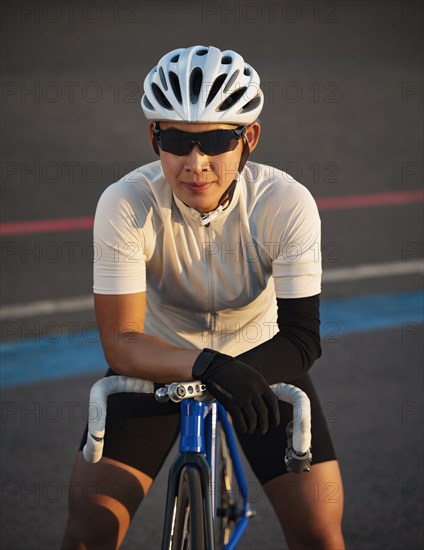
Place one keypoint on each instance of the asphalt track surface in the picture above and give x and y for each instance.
(343, 115)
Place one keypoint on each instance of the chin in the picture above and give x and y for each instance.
(200, 204)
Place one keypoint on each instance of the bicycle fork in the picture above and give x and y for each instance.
(192, 451)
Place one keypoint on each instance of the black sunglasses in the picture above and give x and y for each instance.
(211, 143)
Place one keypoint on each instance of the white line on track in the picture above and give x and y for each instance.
(46, 307)
(334, 275)
(372, 271)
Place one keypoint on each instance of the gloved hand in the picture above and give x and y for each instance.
(240, 388)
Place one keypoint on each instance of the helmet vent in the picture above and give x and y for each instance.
(160, 97)
(246, 71)
(175, 58)
(175, 85)
(202, 52)
(215, 87)
(231, 81)
(231, 99)
(251, 105)
(226, 60)
(147, 104)
(162, 78)
(196, 79)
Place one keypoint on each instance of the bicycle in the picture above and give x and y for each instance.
(206, 479)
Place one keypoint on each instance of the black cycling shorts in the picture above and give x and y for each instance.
(140, 432)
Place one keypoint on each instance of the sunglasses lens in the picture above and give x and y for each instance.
(174, 141)
(218, 141)
(211, 143)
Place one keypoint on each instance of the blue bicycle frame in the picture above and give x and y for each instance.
(199, 421)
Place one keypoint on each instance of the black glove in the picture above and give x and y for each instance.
(240, 388)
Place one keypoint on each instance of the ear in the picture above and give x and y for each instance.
(253, 131)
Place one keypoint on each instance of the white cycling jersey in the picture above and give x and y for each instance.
(209, 286)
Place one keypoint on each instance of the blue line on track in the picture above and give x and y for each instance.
(35, 361)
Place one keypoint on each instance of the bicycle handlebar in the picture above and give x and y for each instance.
(99, 393)
(298, 456)
(301, 414)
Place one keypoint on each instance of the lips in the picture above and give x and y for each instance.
(198, 185)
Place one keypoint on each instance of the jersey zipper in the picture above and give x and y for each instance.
(211, 316)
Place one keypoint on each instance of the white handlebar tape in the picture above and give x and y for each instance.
(99, 393)
(301, 438)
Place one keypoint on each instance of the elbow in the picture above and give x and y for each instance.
(117, 369)
(114, 360)
(313, 353)
(309, 351)
(122, 357)
(115, 366)
(317, 347)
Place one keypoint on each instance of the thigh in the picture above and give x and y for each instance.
(265, 453)
(103, 499)
(108, 485)
(309, 506)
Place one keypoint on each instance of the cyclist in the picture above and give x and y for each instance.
(201, 255)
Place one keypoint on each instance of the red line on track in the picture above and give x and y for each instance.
(374, 199)
(46, 226)
(324, 203)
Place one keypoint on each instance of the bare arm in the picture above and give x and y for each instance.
(129, 351)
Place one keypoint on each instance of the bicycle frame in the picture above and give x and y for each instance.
(199, 421)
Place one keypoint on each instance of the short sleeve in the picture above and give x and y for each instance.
(119, 257)
(297, 266)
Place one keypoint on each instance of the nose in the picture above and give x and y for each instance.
(196, 161)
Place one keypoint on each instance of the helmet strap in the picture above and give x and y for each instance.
(226, 197)
(155, 146)
(223, 203)
(155, 143)
(244, 154)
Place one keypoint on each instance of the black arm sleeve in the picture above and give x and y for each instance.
(293, 350)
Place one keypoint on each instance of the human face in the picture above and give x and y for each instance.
(197, 179)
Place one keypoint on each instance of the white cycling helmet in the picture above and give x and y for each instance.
(202, 84)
